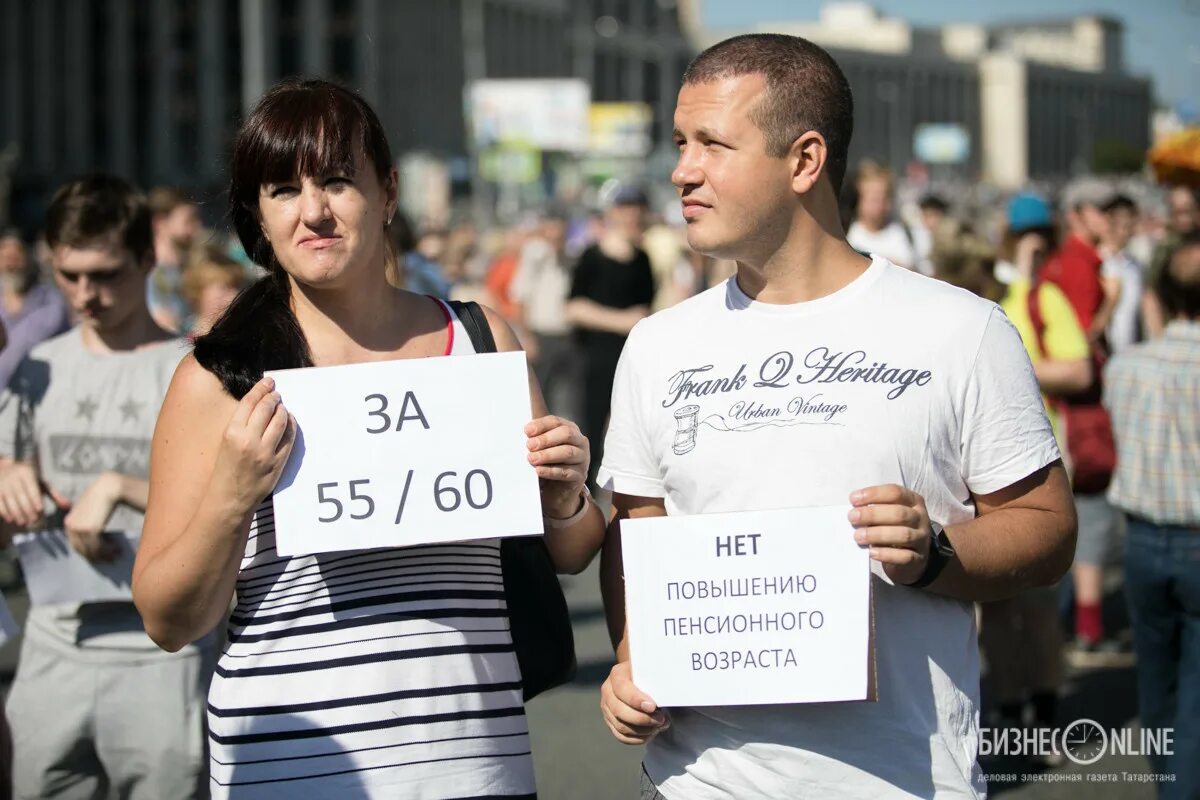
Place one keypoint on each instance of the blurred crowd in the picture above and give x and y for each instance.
(1084, 276)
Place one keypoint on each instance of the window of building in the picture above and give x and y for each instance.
(342, 30)
(288, 50)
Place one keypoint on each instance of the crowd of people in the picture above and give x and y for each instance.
(1059, 417)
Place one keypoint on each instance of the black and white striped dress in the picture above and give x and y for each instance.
(369, 674)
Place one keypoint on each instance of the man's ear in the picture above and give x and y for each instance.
(808, 155)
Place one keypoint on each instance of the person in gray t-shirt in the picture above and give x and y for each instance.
(95, 703)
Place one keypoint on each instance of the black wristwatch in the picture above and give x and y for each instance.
(940, 553)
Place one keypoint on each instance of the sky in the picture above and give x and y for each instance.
(1162, 37)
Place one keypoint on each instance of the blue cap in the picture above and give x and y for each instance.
(1027, 211)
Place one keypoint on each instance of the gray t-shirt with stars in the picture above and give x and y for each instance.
(79, 413)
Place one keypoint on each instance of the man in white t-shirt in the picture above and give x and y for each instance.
(540, 286)
(874, 231)
(1122, 273)
(817, 376)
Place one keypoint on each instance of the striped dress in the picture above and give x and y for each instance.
(369, 674)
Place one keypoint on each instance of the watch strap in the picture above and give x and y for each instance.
(940, 553)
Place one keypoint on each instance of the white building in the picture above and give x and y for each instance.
(1036, 98)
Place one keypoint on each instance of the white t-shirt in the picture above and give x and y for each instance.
(891, 242)
(725, 404)
(1123, 328)
(541, 284)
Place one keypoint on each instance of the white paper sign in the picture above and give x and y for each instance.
(55, 573)
(404, 452)
(748, 608)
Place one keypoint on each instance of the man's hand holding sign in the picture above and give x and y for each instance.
(805, 641)
(893, 523)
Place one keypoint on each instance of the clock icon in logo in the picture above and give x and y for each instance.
(1084, 741)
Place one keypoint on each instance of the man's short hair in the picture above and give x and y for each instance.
(165, 199)
(805, 91)
(1178, 287)
(98, 211)
(933, 202)
(1120, 202)
(1087, 191)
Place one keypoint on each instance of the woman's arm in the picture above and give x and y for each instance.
(1064, 377)
(561, 455)
(213, 460)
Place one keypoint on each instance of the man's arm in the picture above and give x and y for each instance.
(632, 716)
(87, 517)
(1023, 536)
(128, 490)
(1111, 286)
(20, 497)
(1064, 376)
(1153, 318)
(585, 313)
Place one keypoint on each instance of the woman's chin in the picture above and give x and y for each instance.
(321, 276)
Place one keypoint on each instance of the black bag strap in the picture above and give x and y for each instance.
(471, 315)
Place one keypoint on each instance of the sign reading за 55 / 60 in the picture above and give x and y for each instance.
(404, 452)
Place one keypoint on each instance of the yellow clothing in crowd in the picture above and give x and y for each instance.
(1063, 337)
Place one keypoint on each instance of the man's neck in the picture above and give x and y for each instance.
(165, 252)
(617, 246)
(872, 227)
(138, 331)
(811, 263)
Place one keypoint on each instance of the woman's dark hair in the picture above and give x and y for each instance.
(299, 128)
(1178, 285)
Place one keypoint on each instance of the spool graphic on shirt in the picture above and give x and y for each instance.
(686, 423)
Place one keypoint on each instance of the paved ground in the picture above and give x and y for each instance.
(577, 759)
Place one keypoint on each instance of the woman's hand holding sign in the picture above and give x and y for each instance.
(574, 525)
(255, 447)
(893, 522)
(561, 454)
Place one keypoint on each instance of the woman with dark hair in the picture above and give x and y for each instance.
(334, 683)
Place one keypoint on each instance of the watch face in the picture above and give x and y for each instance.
(1084, 741)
